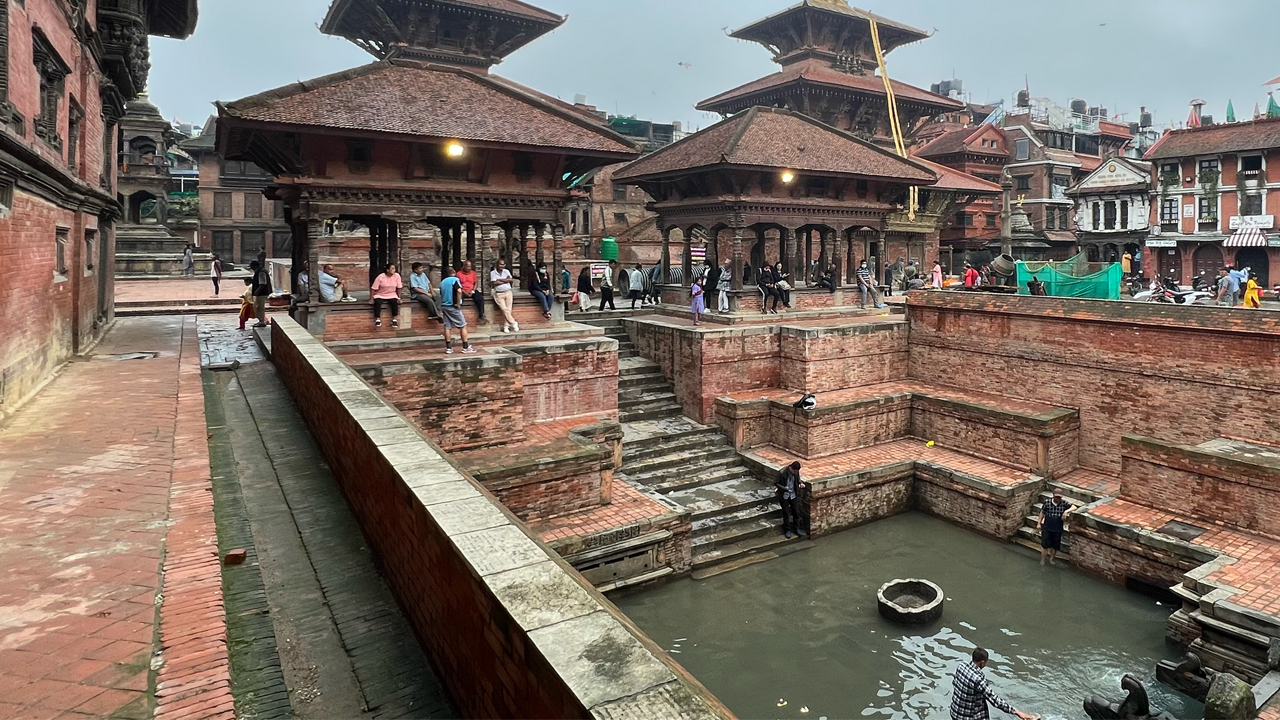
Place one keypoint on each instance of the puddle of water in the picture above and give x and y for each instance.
(804, 629)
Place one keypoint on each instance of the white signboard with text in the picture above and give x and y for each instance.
(1252, 222)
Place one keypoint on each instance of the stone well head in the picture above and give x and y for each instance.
(910, 602)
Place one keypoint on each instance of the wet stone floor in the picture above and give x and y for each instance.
(804, 630)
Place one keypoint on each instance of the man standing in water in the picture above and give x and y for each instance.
(971, 692)
(1050, 524)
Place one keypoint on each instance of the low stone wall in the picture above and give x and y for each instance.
(568, 378)
(827, 430)
(822, 359)
(1201, 482)
(969, 501)
(856, 499)
(354, 321)
(747, 423)
(1045, 444)
(510, 628)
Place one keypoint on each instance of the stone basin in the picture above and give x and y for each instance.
(912, 601)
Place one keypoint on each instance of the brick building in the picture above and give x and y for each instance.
(978, 151)
(236, 220)
(1216, 194)
(1050, 149)
(66, 71)
(1112, 209)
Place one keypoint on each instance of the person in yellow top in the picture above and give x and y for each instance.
(1252, 292)
(1126, 264)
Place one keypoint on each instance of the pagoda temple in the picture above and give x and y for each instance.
(423, 155)
(828, 60)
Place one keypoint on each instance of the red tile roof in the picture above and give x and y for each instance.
(408, 98)
(1089, 163)
(1114, 129)
(1213, 139)
(818, 73)
(953, 141)
(779, 139)
(952, 179)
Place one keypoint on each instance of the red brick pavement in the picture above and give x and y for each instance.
(178, 289)
(86, 474)
(1256, 571)
(628, 507)
(895, 452)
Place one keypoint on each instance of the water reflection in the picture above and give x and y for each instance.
(804, 629)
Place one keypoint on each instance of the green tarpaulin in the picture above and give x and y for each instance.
(1073, 278)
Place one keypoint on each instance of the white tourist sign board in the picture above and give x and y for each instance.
(1252, 222)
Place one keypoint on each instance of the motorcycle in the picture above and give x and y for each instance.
(1186, 297)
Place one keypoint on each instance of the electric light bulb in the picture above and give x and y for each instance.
(788, 176)
(455, 149)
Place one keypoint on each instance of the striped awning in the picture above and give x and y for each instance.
(1251, 237)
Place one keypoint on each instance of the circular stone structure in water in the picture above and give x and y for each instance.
(911, 601)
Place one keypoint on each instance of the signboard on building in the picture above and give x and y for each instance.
(1273, 241)
(598, 270)
(1189, 211)
(1252, 222)
(1161, 243)
(698, 255)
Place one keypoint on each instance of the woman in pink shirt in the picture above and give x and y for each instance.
(386, 288)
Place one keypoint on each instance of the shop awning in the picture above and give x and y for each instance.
(1250, 237)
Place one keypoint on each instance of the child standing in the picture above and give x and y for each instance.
(246, 302)
(698, 301)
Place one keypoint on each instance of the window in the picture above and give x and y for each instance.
(1109, 215)
(1251, 165)
(60, 255)
(222, 241)
(222, 204)
(523, 167)
(991, 220)
(816, 186)
(1124, 214)
(619, 193)
(281, 244)
(253, 205)
(573, 222)
(436, 163)
(74, 117)
(90, 239)
(1208, 166)
(1022, 148)
(860, 188)
(1169, 214)
(989, 177)
(1022, 182)
(1251, 205)
(359, 155)
(251, 243)
(1050, 218)
(964, 219)
(1208, 209)
(620, 219)
(1064, 219)
(1097, 216)
(52, 72)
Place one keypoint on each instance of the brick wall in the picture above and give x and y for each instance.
(1193, 482)
(990, 509)
(840, 506)
(511, 630)
(822, 359)
(337, 322)
(565, 379)
(1124, 366)
(828, 430)
(461, 402)
(995, 433)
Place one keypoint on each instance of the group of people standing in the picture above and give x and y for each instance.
(1237, 286)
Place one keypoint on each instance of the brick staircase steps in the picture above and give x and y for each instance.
(703, 473)
(150, 310)
(729, 552)
(222, 300)
(672, 460)
(1029, 535)
(637, 366)
(727, 497)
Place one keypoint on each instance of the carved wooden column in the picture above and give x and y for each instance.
(488, 236)
(557, 259)
(798, 270)
(314, 233)
(666, 255)
(737, 258)
(840, 255)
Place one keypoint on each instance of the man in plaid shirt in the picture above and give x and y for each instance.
(971, 692)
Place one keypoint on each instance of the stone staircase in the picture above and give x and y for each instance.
(735, 517)
(1029, 535)
(226, 303)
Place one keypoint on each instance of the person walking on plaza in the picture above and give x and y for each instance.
(635, 287)
(1051, 526)
(1241, 278)
(584, 289)
(540, 288)
(935, 277)
(1226, 288)
(607, 285)
(697, 300)
(1253, 292)
(420, 290)
(215, 274)
(971, 276)
(971, 693)
(471, 287)
(261, 291)
(188, 261)
(386, 289)
(787, 486)
(451, 295)
(500, 280)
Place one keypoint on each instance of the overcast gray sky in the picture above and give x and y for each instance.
(626, 55)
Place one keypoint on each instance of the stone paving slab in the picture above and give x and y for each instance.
(898, 451)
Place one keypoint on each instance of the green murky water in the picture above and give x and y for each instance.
(804, 629)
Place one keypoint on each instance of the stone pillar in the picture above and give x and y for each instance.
(686, 262)
(314, 231)
(666, 255)
(798, 269)
(488, 237)
(737, 258)
(557, 258)
(841, 253)
(544, 239)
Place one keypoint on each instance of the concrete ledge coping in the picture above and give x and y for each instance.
(559, 347)
(491, 358)
(1142, 536)
(1032, 482)
(867, 327)
(888, 472)
(1051, 416)
(614, 671)
(1245, 471)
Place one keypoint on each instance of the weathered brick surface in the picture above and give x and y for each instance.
(484, 648)
(822, 359)
(1125, 366)
(997, 433)
(834, 429)
(840, 507)
(1202, 484)
(354, 321)
(1116, 558)
(977, 508)
(569, 378)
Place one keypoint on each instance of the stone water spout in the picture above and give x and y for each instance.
(1135, 705)
(1188, 677)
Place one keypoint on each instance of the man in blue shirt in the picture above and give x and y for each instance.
(451, 311)
(420, 290)
(1239, 278)
(1051, 526)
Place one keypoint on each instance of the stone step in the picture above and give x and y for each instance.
(726, 497)
(750, 546)
(1035, 545)
(685, 429)
(650, 398)
(156, 310)
(1070, 491)
(226, 300)
(731, 533)
(670, 444)
(1031, 536)
(638, 366)
(655, 412)
(698, 456)
(1046, 496)
(667, 481)
(641, 380)
(746, 517)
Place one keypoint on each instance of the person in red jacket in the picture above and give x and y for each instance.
(970, 276)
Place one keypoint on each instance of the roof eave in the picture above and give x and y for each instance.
(680, 172)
